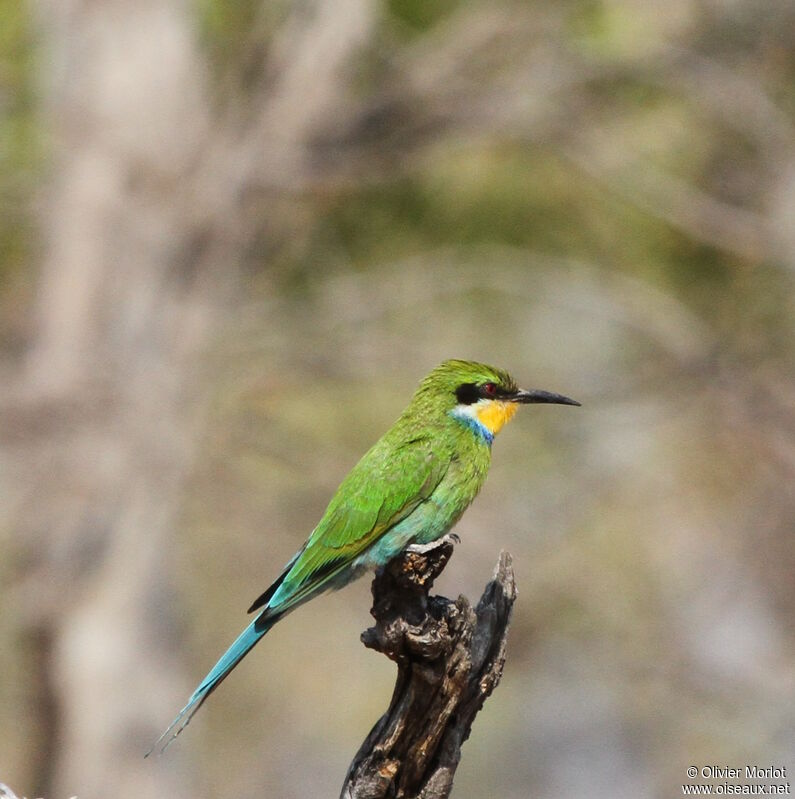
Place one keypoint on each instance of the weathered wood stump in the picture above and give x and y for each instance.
(449, 658)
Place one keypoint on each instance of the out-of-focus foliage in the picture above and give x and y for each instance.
(597, 196)
(20, 155)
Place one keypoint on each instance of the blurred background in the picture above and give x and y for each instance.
(234, 236)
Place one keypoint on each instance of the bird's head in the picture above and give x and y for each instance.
(482, 397)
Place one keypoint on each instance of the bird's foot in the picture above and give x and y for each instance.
(422, 549)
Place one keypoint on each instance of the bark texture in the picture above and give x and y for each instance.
(450, 658)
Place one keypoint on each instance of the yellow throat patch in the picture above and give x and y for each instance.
(495, 413)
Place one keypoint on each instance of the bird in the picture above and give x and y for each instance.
(410, 488)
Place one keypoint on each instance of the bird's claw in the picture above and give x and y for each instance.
(421, 549)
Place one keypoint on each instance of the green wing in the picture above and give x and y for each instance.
(382, 489)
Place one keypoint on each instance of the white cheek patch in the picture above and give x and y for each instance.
(470, 410)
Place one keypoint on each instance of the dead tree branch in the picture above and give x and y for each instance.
(449, 657)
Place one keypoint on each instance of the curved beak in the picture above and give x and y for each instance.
(537, 395)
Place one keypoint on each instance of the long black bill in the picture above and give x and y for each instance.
(537, 395)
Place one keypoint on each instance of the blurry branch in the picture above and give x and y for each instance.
(740, 101)
(489, 73)
(306, 82)
(574, 284)
(192, 194)
(702, 217)
(449, 657)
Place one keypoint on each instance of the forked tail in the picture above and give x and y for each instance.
(239, 649)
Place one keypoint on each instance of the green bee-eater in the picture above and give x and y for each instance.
(411, 487)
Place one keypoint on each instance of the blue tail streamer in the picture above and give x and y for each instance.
(239, 649)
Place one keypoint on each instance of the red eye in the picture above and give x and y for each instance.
(490, 389)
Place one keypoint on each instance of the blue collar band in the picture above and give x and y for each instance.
(475, 426)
